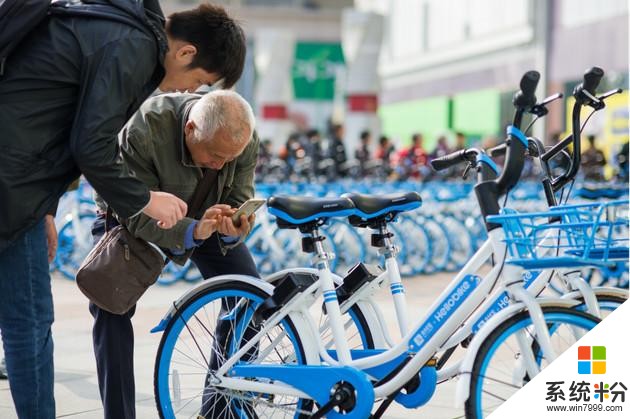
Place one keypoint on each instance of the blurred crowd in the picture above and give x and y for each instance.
(313, 156)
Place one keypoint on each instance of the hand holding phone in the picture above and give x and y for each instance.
(248, 208)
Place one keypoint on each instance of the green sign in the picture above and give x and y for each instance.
(427, 116)
(478, 112)
(314, 70)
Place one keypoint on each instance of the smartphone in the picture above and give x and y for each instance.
(248, 208)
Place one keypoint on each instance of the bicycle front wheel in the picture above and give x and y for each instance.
(498, 370)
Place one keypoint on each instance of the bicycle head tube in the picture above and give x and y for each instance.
(488, 192)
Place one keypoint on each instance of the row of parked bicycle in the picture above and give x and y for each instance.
(438, 237)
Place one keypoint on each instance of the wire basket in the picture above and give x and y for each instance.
(567, 236)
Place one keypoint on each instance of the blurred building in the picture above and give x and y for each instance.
(454, 65)
(429, 66)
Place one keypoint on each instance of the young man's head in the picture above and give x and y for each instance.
(205, 46)
(219, 127)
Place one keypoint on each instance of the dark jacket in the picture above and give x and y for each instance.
(68, 89)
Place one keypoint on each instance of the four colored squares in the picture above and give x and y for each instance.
(591, 360)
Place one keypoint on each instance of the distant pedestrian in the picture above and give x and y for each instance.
(593, 161)
(362, 154)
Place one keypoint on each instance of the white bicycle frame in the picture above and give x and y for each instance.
(297, 311)
(391, 276)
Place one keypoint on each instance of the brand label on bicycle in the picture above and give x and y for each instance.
(503, 301)
(443, 311)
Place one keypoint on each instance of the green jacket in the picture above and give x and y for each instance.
(153, 147)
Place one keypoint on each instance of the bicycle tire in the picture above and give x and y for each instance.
(519, 321)
(179, 322)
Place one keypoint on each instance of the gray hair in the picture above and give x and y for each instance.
(223, 110)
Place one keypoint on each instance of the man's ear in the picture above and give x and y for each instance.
(189, 128)
(186, 54)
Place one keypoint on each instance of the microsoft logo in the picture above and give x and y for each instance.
(591, 360)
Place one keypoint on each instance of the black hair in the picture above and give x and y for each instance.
(219, 39)
(365, 134)
(383, 140)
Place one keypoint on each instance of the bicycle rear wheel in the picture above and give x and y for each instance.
(205, 331)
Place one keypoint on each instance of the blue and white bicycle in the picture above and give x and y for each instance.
(237, 347)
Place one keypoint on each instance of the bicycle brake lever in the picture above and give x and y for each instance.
(593, 101)
(608, 94)
(540, 109)
(467, 170)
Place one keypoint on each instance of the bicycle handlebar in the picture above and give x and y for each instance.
(526, 97)
(584, 95)
(488, 192)
(592, 77)
(497, 151)
(448, 160)
(516, 141)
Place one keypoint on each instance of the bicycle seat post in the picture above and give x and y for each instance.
(383, 241)
(312, 242)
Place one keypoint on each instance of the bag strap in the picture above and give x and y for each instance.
(109, 219)
(201, 192)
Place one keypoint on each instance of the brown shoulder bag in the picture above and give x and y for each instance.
(121, 267)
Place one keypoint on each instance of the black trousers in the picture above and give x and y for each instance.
(112, 334)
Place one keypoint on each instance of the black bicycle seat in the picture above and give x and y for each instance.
(371, 206)
(300, 210)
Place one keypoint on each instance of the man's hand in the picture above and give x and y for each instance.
(210, 220)
(51, 236)
(227, 227)
(166, 208)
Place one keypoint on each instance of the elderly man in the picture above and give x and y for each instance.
(170, 143)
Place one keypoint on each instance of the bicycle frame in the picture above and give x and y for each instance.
(475, 293)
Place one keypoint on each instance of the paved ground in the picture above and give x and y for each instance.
(76, 389)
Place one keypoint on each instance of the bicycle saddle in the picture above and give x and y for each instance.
(371, 206)
(301, 210)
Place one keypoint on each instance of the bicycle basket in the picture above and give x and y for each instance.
(566, 236)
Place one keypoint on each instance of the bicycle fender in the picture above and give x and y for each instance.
(256, 282)
(601, 291)
(465, 369)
